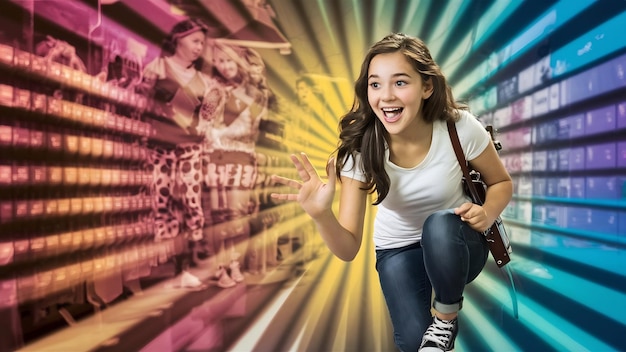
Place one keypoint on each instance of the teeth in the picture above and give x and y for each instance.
(391, 113)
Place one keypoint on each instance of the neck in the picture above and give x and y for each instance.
(410, 150)
(418, 132)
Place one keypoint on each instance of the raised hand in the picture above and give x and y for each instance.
(314, 196)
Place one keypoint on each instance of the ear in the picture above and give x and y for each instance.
(428, 88)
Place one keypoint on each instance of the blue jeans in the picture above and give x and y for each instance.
(450, 255)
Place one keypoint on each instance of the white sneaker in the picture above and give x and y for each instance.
(235, 272)
(188, 280)
(440, 335)
(224, 281)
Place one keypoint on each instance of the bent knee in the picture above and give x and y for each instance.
(441, 223)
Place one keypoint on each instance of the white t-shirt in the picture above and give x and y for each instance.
(417, 192)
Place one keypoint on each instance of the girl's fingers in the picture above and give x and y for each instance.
(300, 168)
(310, 170)
(286, 181)
(282, 196)
(305, 169)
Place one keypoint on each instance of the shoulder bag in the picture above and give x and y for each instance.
(475, 188)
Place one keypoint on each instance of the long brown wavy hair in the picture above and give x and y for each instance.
(360, 131)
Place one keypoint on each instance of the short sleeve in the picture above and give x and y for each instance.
(352, 168)
(473, 135)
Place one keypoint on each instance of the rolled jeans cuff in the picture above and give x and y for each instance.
(448, 308)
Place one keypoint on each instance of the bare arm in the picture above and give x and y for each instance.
(343, 235)
(499, 191)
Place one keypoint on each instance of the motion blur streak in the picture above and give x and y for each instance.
(333, 306)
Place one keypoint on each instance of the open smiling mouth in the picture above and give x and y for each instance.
(392, 114)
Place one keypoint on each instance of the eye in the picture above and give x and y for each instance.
(401, 83)
(374, 85)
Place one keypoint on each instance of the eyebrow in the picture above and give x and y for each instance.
(395, 75)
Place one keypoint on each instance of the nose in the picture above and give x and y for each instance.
(387, 94)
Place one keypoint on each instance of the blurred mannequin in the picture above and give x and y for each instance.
(232, 166)
(188, 101)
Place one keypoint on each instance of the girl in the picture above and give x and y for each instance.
(232, 164)
(427, 233)
(188, 100)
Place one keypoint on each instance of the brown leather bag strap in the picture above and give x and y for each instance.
(458, 150)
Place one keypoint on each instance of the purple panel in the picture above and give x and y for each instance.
(552, 187)
(621, 154)
(604, 221)
(600, 120)
(601, 156)
(539, 186)
(578, 218)
(540, 161)
(621, 115)
(621, 227)
(603, 187)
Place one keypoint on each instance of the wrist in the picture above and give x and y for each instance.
(323, 216)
